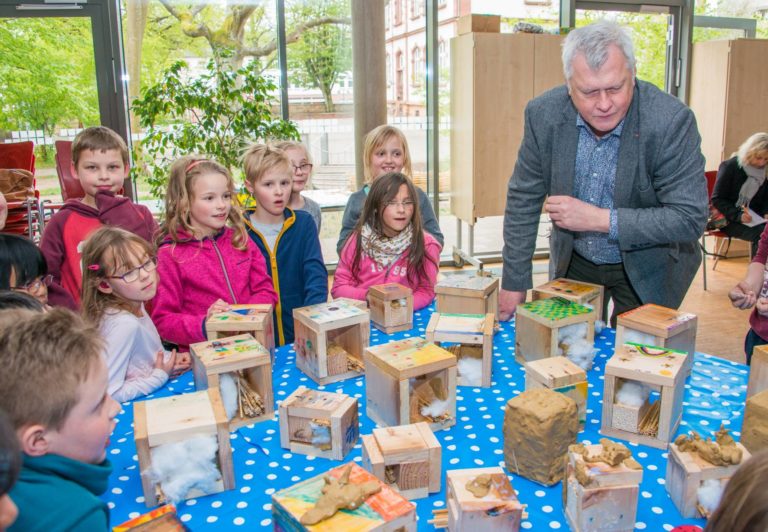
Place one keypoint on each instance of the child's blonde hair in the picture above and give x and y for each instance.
(101, 139)
(744, 504)
(286, 145)
(376, 138)
(178, 198)
(107, 251)
(46, 356)
(258, 159)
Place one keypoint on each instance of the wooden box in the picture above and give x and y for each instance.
(606, 497)
(471, 336)
(669, 328)
(391, 307)
(404, 377)
(318, 423)
(497, 510)
(758, 371)
(686, 472)
(559, 375)
(359, 303)
(385, 511)
(577, 291)
(407, 457)
(178, 418)
(754, 429)
(248, 363)
(468, 294)
(539, 425)
(254, 318)
(330, 339)
(659, 369)
(478, 23)
(538, 323)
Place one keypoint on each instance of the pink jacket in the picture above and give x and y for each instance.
(344, 284)
(195, 273)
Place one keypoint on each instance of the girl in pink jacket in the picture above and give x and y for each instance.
(206, 261)
(389, 245)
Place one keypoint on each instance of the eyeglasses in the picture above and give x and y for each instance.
(132, 275)
(302, 168)
(36, 284)
(407, 204)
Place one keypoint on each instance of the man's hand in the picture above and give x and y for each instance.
(575, 215)
(508, 302)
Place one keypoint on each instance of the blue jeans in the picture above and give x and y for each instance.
(750, 342)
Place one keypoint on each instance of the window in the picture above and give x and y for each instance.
(398, 12)
(417, 67)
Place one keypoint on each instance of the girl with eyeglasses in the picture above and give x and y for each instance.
(23, 267)
(119, 277)
(301, 169)
(389, 245)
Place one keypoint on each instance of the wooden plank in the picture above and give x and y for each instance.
(758, 371)
(629, 362)
(708, 97)
(435, 456)
(657, 320)
(178, 417)
(410, 357)
(554, 372)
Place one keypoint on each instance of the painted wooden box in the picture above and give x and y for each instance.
(559, 375)
(538, 326)
(471, 336)
(255, 319)
(468, 294)
(579, 292)
(391, 306)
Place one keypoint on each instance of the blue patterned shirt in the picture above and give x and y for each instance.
(594, 182)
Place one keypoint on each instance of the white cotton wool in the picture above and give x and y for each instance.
(435, 409)
(571, 333)
(581, 353)
(632, 393)
(228, 388)
(470, 371)
(709, 494)
(182, 466)
(599, 326)
(321, 434)
(636, 337)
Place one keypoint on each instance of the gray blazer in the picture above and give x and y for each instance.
(660, 195)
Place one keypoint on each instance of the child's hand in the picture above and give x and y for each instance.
(163, 364)
(762, 306)
(218, 307)
(183, 363)
(742, 296)
(745, 216)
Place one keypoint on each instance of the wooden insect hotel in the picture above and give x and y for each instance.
(255, 319)
(758, 371)
(629, 411)
(562, 376)
(246, 366)
(316, 423)
(468, 294)
(601, 486)
(580, 292)
(693, 461)
(470, 338)
(359, 303)
(408, 381)
(368, 503)
(479, 500)
(330, 339)
(391, 307)
(754, 429)
(661, 327)
(540, 324)
(176, 419)
(539, 425)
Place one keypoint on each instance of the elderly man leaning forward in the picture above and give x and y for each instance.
(620, 165)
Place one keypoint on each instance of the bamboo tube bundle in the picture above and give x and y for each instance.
(439, 518)
(355, 364)
(249, 402)
(649, 426)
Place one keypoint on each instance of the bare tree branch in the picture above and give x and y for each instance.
(293, 36)
(188, 25)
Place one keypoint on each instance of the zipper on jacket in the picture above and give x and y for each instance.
(224, 270)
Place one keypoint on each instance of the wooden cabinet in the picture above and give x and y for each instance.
(728, 88)
(493, 76)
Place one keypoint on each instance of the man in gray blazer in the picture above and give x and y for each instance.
(620, 165)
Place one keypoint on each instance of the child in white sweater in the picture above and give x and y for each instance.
(119, 276)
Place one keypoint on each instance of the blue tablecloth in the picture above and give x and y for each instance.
(715, 394)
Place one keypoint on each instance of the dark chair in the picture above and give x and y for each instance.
(24, 216)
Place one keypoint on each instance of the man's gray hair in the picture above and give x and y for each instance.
(594, 42)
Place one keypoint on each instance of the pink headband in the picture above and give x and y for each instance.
(191, 165)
